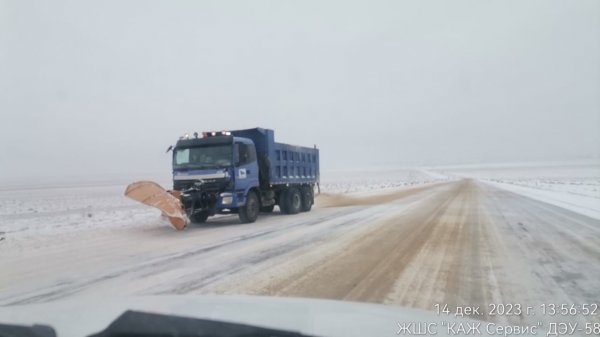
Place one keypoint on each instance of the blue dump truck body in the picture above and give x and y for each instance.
(244, 172)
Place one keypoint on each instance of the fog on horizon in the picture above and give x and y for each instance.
(92, 89)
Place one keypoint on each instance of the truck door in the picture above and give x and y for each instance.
(246, 169)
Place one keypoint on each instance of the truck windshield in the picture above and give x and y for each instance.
(203, 157)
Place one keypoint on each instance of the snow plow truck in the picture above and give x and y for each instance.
(241, 171)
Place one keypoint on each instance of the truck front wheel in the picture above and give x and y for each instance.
(199, 217)
(249, 212)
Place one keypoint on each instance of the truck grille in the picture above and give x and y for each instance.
(209, 185)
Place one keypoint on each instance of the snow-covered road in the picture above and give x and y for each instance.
(462, 242)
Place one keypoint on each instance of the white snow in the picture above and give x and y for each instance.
(61, 212)
(29, 213)
(44, 213)
(352, 181)
(570, 199)
(574, 186)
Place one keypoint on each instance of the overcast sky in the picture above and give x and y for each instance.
(104, 87)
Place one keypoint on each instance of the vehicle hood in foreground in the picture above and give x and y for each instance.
(315, 317)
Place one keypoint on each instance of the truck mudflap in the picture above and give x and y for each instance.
(152, 194)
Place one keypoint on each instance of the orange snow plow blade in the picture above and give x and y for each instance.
(152, 194)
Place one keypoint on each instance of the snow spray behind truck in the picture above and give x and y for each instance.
(241, 171)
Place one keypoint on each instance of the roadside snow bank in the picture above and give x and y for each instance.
(577, 202)
(376, 180)
(571, 185)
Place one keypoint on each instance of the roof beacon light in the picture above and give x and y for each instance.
(216, 133)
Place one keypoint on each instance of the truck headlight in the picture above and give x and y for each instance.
(226, 198)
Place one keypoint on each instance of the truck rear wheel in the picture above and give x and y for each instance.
(283, 203)
(249, 212)
(307, 198)
(294, 200)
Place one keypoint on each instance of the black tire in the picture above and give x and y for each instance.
(199, 217)
(283, 202)
(249, 212)
(267, 209)
(307, 199)
(294, 201)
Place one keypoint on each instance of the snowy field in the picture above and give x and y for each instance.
(33, 213)
(27, 213)
(351, 181)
